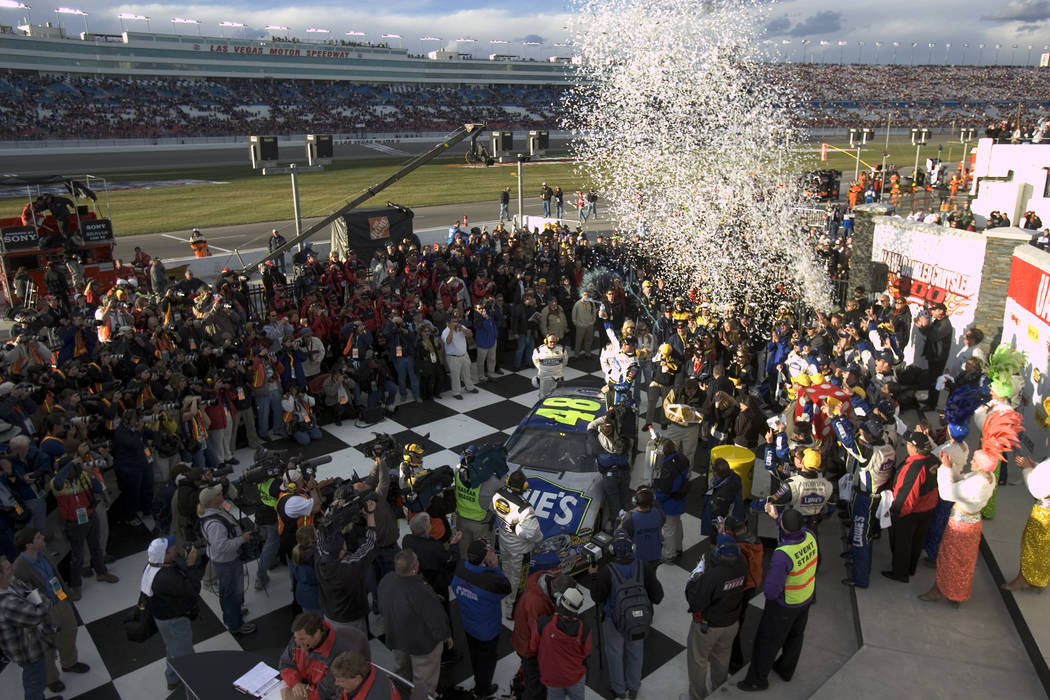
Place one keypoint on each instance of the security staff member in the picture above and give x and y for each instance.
(473, 503)
(806, 491)
(871, 461)
(297, 505)
(519, 533)
(789, 588)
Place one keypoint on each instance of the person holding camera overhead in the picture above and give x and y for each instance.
(133, 465)
(455, 338)
(173, 585)
(299, 501)
(76, 490)
(225, 538)
(299, 420)
(195, 425)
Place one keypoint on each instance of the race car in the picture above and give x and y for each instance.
(550, 446)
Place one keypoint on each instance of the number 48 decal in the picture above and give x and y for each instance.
(568, 411)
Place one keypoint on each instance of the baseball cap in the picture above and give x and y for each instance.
(918, 439)
(209, 494)
(727, 546)
(872, 427)
(477, 550)
(158, 548)
(622, 546)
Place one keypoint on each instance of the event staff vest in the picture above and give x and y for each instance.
(468, 502)
(801, 580)
(809, 496)
(285, 521)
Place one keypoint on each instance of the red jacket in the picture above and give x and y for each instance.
(561, 649)
(532, 605)
(311, 668)
(377, 686)
(915, 485)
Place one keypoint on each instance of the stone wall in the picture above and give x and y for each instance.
(860, 269)
(995, 279)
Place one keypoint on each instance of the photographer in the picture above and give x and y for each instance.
(224, 537)
(131, 461)
(220, 412)
(75, 491)
(266, 390)
(98, 463)
(241, 392)
(455, 338)
(430, 354)
(165, 443)
(341, 394)
(27, 462)
(173, 587)
(194, 428)
(299, 420)
(341, 571)
(401, 341)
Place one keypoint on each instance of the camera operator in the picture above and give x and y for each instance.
(17, 407)
(165, 443)
(99, 463)
(27, 462)
(132, 463)
(173, 586)
(266, 390)
(224, 537)
(299, 501)
(28, 352)
(342, 565)
(78, 341)
(341, 394)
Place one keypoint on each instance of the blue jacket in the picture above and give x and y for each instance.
(670, 488)
(644, 529)
(486, 331)
(479, 596)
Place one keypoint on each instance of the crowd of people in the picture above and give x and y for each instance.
(133, 399)
(827, 95)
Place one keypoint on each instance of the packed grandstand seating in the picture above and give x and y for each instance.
(828, 95)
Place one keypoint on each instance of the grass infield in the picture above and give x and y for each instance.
(248, 197)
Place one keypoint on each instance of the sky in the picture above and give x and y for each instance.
(795, 29)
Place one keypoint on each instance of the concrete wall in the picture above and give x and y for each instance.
(995, 279)
(860, 268)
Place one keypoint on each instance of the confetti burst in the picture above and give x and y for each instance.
(690, 137)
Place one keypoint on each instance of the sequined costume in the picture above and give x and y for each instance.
(957, 556)
(1035, 542)
(960, 455)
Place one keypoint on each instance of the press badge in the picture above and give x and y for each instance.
(353, 353)
(56, 588)
(240, 393)
(82, 516)
(398, 351)
(433, 358)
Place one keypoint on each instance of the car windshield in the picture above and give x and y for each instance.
(550, 450)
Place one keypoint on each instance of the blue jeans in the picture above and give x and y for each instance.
(231, 592)
(523, 351)
(203, 457)
(178, 641)
(592, 209)
(406, 375)
(573, 692)
(581, 214)
(271, 543)
(560, 209)
(268, 413)
(34, 677)
(136, 485)
(303, 437)
(624, 657)
(279, 261)
(546, 208)
(504, 213)
(389, 391)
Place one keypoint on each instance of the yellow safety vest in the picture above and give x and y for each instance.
(801, 580)
(468, 502)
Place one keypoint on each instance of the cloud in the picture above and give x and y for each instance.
(1024, 11)
(532, 39)
(822, 23)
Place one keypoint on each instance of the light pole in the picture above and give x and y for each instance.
(947, 50)
(531, 43)
(521, 190)
(355, 33)
(997, 47)
(229, 24)
(400, 43)
(929, 56)
(422, 39)
(466, 40)
(73, 11)
(913, 45)
(842, 51)
(128, 15)
(317, 30)
(966, 135)
(918, 139)
(184, 20)
(980, 54)
(1028, 61)
(275, 28)
(878, 46)
(962, 61)
(896, 45)
(864, 133)
(860, 47)
(16, 5)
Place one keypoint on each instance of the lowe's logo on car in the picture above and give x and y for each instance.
(558, 508)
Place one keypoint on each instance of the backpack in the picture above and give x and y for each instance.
(632, 611)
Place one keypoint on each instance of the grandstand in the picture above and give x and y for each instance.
(147, 85)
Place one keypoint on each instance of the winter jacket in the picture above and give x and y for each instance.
(533, 604)
(718, 593)
(311, 667)
(561, 645)
(479, 594)
(415, 620)
(915, 485)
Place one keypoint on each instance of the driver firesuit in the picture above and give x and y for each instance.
(550, 360)
(807, 491)
(519, 532)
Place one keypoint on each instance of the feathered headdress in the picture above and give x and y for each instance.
(1000, 434)
(960, 408)
(1005, 364)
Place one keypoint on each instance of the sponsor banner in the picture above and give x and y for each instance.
(559, 509)
(96, 230)
(1026, 327)
(928, 268)
(16, 238)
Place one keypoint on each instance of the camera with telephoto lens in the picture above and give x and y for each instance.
(84, 420)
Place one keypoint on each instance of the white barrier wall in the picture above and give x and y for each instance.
(1012, 178)
(928, 264)
(1026, 327)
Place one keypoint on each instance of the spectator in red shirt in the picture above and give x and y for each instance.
(914, 499)
(562, 645)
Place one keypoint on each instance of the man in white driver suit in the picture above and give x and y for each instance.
(519, 532)
(550, 360)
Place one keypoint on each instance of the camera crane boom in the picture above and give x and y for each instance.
(473, 130)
